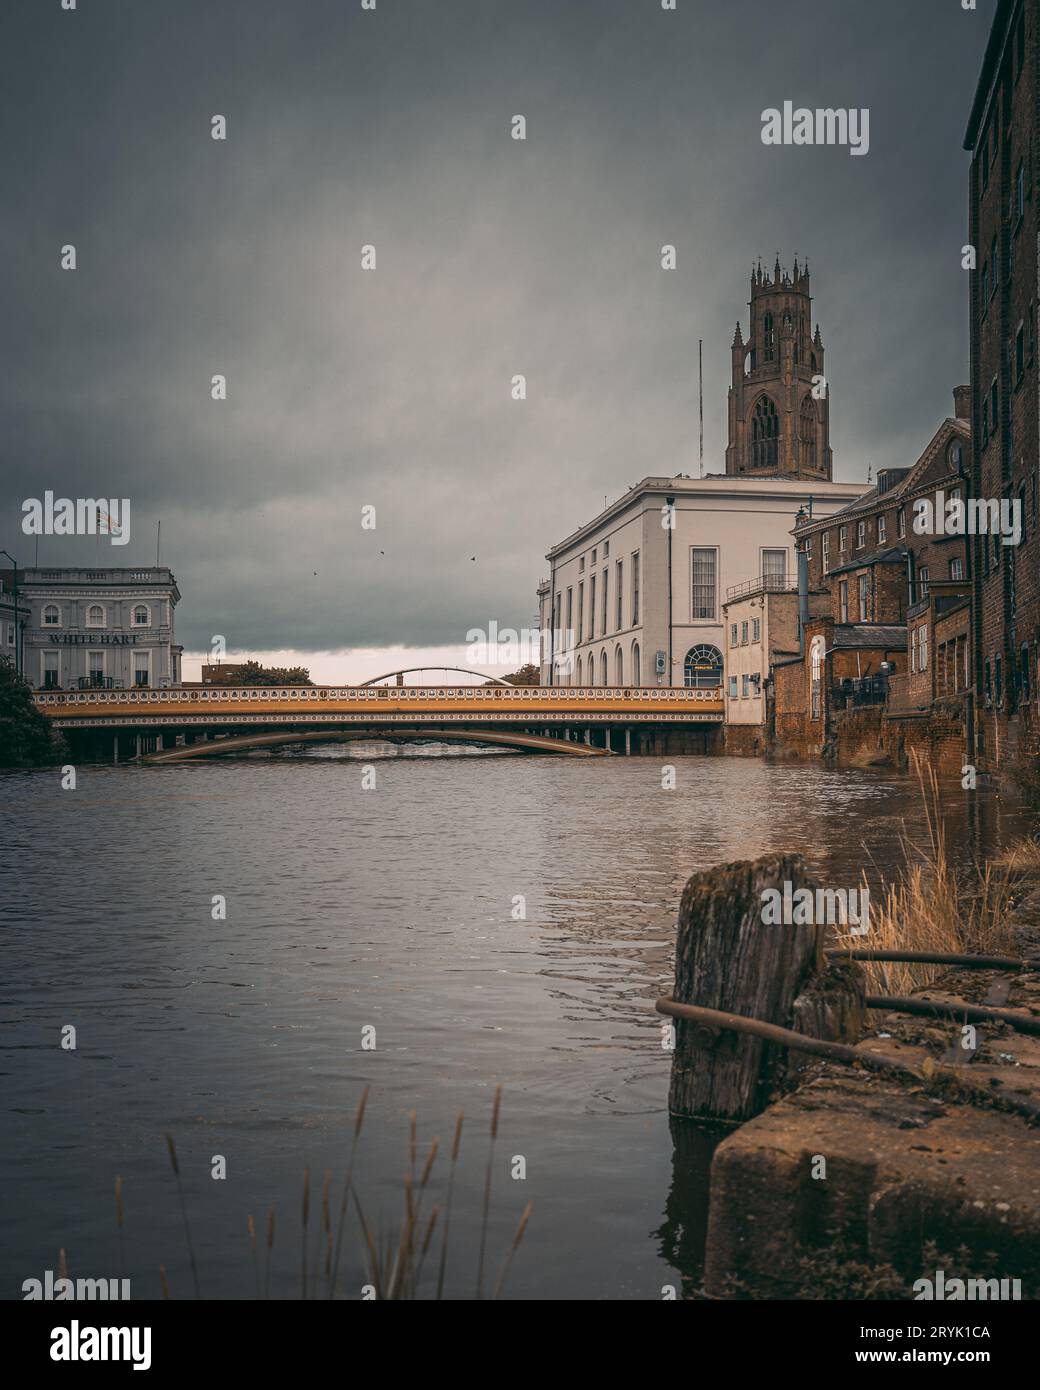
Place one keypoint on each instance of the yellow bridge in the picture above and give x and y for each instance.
(172, 725)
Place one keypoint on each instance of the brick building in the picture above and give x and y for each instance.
(892, 633)
(1003, 136)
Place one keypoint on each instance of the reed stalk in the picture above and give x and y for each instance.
(487, 1190)
(526, 1216)
(184, 1212)
(447, 1208)
(359, 1120)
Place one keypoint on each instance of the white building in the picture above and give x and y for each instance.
(635, 596)
(100, 627)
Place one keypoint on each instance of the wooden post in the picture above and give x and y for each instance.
(727, 958)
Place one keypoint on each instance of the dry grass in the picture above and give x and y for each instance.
(1021, 858)
(929, 906)
(393, 1257)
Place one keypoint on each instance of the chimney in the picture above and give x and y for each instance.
(962, 402)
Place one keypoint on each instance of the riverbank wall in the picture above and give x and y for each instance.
(860, 1185)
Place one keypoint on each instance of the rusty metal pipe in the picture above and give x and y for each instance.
(929, 958)
(969, 1013)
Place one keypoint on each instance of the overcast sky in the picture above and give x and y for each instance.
(391, 388)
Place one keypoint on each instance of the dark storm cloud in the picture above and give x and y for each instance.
(495, 257)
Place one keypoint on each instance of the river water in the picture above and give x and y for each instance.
(393, 908)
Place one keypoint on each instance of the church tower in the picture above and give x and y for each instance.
(778, 427)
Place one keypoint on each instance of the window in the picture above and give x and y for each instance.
(96, 668)
(95, 615)
(774, 566)
(603, 622)
(604, 676)
(745, 686)
(957, 568)
(863, 586)
(998, 680)
(922, 644)
(50, 670)
(922, 581)
(768, 338)
(619, 570)
(816, 670)
(702, 669)
(765, 434)
(843, 537)
(756, 629)
(51, 615)
(581, 612)
(10, 634)
(901, 522)
(635, 664)
(635, 590)
(826, 549)
(570, 619)
(843, 601)
(703, 565)
(861, 534)
(592, 607)
(743, 634)
(732, 687)
(578, 671)
(606, 549)
(593, 560)
(141, 668)
(733, 634)
(581, 565)
(807, 433)
(882, 527)
(140, 617)
(619, 666)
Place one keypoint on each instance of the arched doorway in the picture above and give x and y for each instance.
(702, 669)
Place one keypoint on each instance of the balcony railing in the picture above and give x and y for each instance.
(762, 584)
(868, 690)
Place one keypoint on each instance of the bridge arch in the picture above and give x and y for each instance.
(415, 670)
(244, 743)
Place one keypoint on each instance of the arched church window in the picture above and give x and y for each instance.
(702, 669)
(765, 434)
(807, 434)
(768, 338)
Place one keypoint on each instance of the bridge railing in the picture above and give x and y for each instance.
(490, 694)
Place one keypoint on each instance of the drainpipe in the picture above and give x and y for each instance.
(671, 503)
(803, 598)
(552, 619)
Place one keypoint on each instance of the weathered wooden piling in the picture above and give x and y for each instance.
(727, 958)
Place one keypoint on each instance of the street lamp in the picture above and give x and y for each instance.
(17, 622)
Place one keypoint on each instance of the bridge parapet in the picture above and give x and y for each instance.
(368, 704)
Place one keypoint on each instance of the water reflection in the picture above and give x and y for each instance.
(495, 918)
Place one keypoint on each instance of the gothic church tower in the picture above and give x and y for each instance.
(776, 426)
